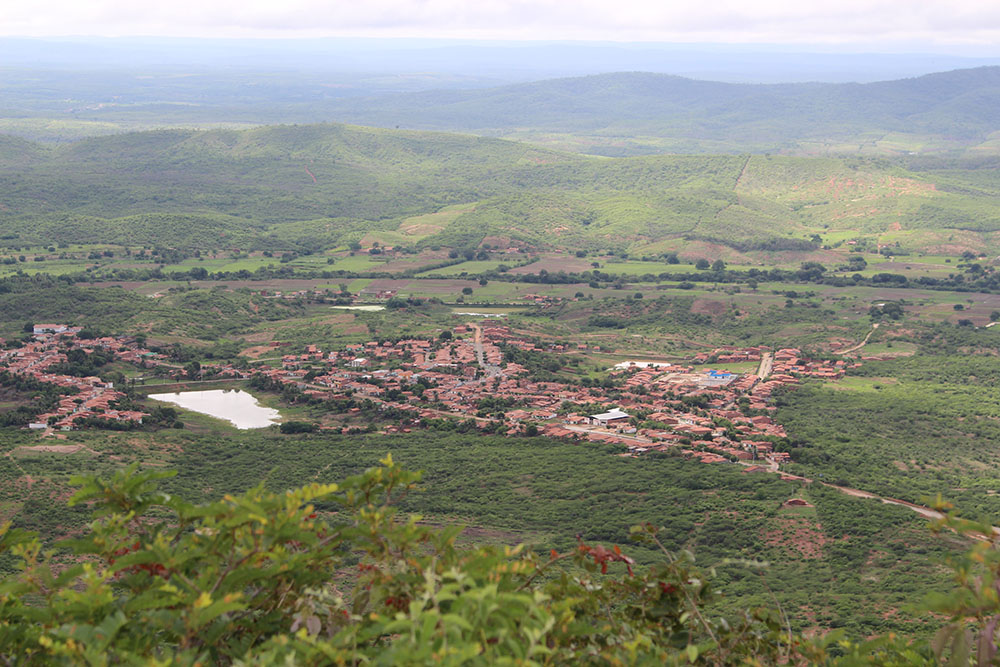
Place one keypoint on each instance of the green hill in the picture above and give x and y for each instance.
(319, 186)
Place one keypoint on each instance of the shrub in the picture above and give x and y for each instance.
(290, 427)
(257, 579)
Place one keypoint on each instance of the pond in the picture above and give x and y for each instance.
(641, 364)
(477, 314)
(235, 406)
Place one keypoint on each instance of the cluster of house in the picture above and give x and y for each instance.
(94, 398)
(652, 411)
(710, 414)
(791, 362)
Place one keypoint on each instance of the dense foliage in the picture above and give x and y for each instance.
(260, 578)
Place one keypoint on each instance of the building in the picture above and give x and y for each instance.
(613, 416)
(49, 328)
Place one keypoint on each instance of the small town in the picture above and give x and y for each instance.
(469, 373)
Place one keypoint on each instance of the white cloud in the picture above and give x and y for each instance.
(870, 22)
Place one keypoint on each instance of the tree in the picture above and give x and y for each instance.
(702, 264)
(718, 265)
(291, 427)
(466, 290)
(856, 263)
(445, 335)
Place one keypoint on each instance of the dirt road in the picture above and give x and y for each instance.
(862, 343)
(766, 363)
(854, 493)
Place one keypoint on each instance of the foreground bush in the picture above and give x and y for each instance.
(329, 574)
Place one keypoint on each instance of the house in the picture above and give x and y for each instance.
(612, 416)
(49, 328)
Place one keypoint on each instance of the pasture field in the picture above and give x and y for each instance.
(473, 267)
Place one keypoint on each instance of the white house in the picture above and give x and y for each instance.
(49, 328)
(610, 417)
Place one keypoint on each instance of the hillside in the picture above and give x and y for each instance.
(619, 113)
(635, 112)
(317, 187)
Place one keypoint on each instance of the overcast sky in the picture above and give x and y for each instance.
(971, 26)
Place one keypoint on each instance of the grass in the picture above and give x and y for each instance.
(862, 384)
(472, 267)
(895, 348)
(741, 367)
(359, 262)
(639, 267)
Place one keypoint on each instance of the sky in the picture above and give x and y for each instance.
(957, 26)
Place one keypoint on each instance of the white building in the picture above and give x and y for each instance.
(49, 328)
(610, 417)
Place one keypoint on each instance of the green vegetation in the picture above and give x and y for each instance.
(262, 575)
(254, 191)
(512, 491)
(244, 246)
(914, 430)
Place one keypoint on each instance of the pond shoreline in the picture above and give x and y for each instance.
(236, 406)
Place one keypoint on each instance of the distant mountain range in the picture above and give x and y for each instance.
(635, 112)
(954, 113)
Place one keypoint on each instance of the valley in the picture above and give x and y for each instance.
(776, 358)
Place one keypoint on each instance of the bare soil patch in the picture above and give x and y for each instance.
(556, 263)
(709, 307)
(798, 536)
(258, 351)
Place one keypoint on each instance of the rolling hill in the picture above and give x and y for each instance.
(635, 112)
(319, 186)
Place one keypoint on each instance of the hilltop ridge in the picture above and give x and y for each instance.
(637, 112)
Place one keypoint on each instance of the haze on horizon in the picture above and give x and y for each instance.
(961, 27)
